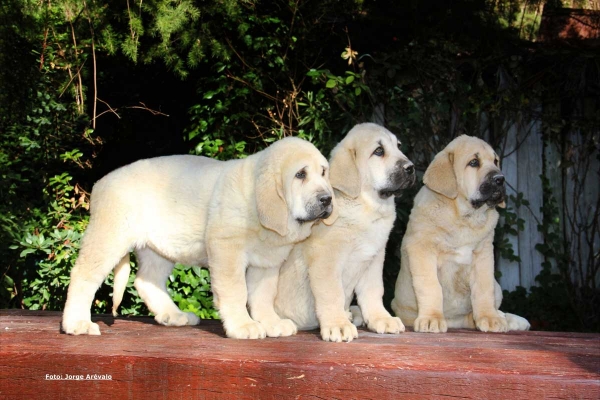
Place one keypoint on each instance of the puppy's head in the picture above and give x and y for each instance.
(469, 167)
(292, 185)
(369, 159)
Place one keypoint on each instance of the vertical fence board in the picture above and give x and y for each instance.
(581, 198)
(529, 159)
(510, 270)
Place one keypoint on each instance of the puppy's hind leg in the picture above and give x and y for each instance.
(100, 252)
(262, 289)
(122, 271)
(151, 284)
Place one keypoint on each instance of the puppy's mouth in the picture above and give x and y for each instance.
(492, 200)
(492, 191)
(397, 188)
(323, 215)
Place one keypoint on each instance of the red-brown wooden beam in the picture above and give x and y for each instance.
(145, 360)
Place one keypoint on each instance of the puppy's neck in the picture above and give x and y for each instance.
(371, 199)
(473, 216)
(297, 232)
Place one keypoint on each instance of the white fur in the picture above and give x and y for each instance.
(318, 281)
(199, 211)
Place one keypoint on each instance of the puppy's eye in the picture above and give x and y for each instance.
(323, 173)
(399, 146)
(496, 162)
(301, 174)
(379, 152)
(474, 163)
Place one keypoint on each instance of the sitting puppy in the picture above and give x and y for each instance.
(231, 216)
(318, 281)
(447, 274)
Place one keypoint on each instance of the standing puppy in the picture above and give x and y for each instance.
(237, 217)
(318, 281)
(447, 274)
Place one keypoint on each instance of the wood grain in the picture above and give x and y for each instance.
(146, 360)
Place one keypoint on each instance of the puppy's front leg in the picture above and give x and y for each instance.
(325, 275)
(369, 294)
(262, 289)
(428, 291)
(482, 282)
(227, 265)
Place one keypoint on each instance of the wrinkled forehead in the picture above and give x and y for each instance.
(379, 136)
(474, 148)
(310, 159)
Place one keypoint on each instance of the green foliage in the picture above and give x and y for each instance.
(522, 18)
(48, 244)
(510, 224)
(189, 287)
(549, 305)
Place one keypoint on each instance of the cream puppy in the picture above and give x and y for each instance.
(320, 278)
(238, 217)
(447, 274)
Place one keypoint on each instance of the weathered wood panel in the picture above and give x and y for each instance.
(579, 207)
(577, 195)
(529, 159)
(145, 360)
(522, 165)
(511, 270)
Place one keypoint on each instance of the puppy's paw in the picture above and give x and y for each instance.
(516, 323)
(433, 324)
(386, 325)
(192, 318)
(340, 332)
(81, 328)
(492, 323)
(355, 315)
(251, 330)
(279, 327)
(177, 319)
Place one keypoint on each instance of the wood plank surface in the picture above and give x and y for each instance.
(145, 360)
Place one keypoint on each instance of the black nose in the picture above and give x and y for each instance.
(325, 200)
(498, 179)
(409, 168)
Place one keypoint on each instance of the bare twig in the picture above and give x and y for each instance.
(72, 77)
(145, 108)
(110, 109)
(115, 110)
(235, 78)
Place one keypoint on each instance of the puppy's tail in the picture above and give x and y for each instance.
(122, 271)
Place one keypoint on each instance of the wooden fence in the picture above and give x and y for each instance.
(576, 189)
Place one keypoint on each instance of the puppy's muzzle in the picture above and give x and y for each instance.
(321, 208)
(492, 191)
(403, 177)
(324, 200)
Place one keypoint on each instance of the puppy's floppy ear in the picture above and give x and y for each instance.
(270, 201)
(334, 213)
(440, 176)
(344, 172)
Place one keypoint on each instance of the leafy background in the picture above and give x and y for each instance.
(87, 86)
